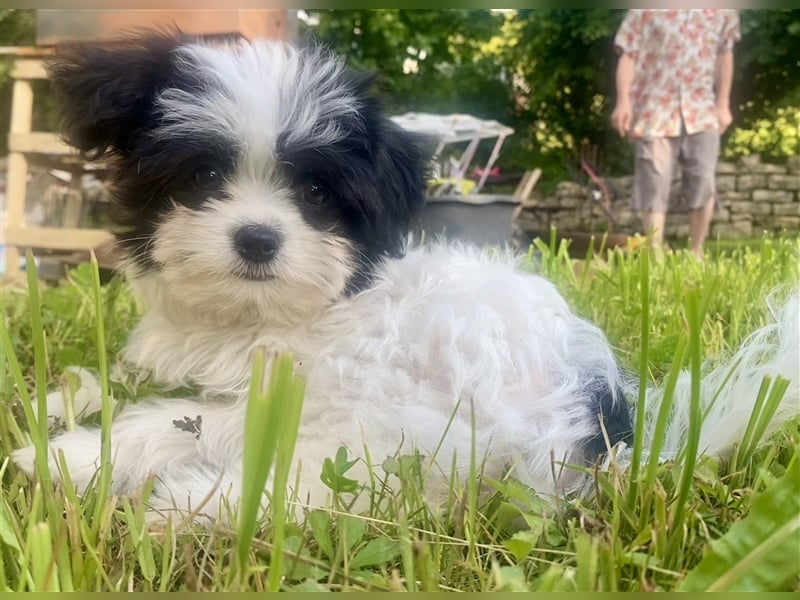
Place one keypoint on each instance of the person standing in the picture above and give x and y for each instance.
(673, 84)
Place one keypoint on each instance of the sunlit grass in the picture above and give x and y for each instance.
(637, 532)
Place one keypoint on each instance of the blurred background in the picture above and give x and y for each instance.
(546, 74)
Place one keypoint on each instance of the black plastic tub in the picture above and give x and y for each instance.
(482, 219)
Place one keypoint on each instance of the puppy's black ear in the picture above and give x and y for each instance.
(402, 161)
(105, 90)
(399, 167)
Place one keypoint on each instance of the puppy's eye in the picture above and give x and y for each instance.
(315, 193)
(207, 178)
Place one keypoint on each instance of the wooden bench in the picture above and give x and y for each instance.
(26, 147)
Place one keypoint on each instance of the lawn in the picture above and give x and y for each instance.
(724, 525)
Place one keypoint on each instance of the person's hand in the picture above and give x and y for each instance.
(622, 116)
(724, 117)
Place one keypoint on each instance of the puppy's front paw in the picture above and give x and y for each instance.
(80, 390)
(81, 449)
(25, 459)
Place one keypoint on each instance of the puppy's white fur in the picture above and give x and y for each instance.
(256, 92)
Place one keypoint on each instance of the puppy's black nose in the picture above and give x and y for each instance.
(257, 243)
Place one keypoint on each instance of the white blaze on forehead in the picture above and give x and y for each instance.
(254, 92)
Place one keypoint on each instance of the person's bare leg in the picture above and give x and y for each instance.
(653, 225)
(699, 154)
(655, 160)
(699, 223)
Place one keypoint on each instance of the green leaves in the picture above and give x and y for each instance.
(760, 552)
(521, 544)
(333, 473)
(320, 523)
(375, 552)
(351, 530)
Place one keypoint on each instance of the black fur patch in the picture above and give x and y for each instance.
(616, 420)
(375, 178)
(105, 90)
(106, 93)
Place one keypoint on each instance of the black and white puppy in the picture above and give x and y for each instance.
(265, 202)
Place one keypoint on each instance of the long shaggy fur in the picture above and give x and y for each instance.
(264, 200)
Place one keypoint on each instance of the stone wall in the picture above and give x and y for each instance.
(752, 197)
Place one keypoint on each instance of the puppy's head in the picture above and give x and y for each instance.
(254, 178)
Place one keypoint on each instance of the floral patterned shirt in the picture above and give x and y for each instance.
(675, 53)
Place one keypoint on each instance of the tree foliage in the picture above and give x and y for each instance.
(17, 28)
(549, 73)
(564, 62)
(427, 60)
(767, 73)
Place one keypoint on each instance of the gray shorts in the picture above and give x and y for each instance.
(655, 165)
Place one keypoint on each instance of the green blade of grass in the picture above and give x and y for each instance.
(142, 543)
(695, 417)
(103, 489)
(9, 544)
(586, 557)
(39, 352)
(641, 403)
(717, 394)
(293, 406)
(42, 560)
(34, 518)
(72, 501)
(407, 553)
(168, 548)
(767, 402)
(39, 423)
(662, 419)
(471, 526)
(22, 389)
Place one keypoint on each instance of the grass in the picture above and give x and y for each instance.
(687, 525)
